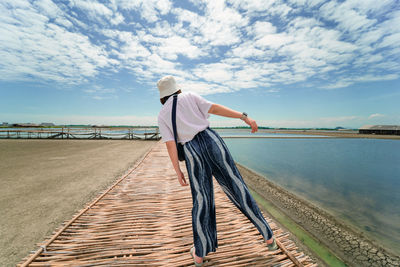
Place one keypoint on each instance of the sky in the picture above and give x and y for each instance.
(297, 63)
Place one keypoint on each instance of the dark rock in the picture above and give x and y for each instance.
(380, 255)
(361, 258)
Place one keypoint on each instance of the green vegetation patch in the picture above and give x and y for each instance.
(320, 250)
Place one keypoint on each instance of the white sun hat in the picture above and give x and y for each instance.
(167, 86)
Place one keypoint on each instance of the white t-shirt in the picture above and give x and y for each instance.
(191, 117)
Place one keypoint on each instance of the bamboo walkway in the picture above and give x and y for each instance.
(144, 219)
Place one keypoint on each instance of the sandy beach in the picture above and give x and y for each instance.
(45, 182)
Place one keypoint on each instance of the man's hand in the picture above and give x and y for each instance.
(252, 123)
(181, 178)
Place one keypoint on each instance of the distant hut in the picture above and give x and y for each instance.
(47, 124)
(25, 125)
(380, 129)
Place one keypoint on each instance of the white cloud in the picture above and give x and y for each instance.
(376, 115)
(171, 47)
(117, 19)
(48, 8)
(348, 18)
(281, 10)
(36, 47)
(240, 44)
(217, 73)
(239, 84)
(253, 6)
(130, 46)
(98, 97)
(375, 77)
(149, 10)
(248, 50)
(307, 3)
(195, 20)
(304, 23)
(391, 40)
(389, 65)
(99, 92)
(203, 88)
(362, 78)
(219, 26)
(16, 3)
(369, 6)
(249, 74)
(96, 11)
(274, 41)
(370, 37)
(261, 28)
(337, 84)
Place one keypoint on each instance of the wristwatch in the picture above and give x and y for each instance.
(244, 116)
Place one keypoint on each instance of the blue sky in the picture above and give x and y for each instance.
(298, 63)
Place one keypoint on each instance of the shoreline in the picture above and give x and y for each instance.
(322, 255)
(338, 134)
(343, 240)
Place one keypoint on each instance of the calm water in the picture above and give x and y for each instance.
(245, 133)
(357, 180)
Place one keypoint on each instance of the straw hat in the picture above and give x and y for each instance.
(167, 86)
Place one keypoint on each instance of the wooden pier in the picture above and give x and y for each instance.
(81, 133)
(144, 219)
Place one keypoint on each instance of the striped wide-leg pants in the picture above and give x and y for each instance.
(206, 156)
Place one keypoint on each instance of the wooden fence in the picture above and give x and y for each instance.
(81, 133)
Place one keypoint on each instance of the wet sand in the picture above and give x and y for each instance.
(43, 183)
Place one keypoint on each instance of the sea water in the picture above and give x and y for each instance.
(356, 180)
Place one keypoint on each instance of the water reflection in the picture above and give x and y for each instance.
(357, 180)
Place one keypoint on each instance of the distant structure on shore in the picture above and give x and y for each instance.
(43, 124)
(380, 129)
